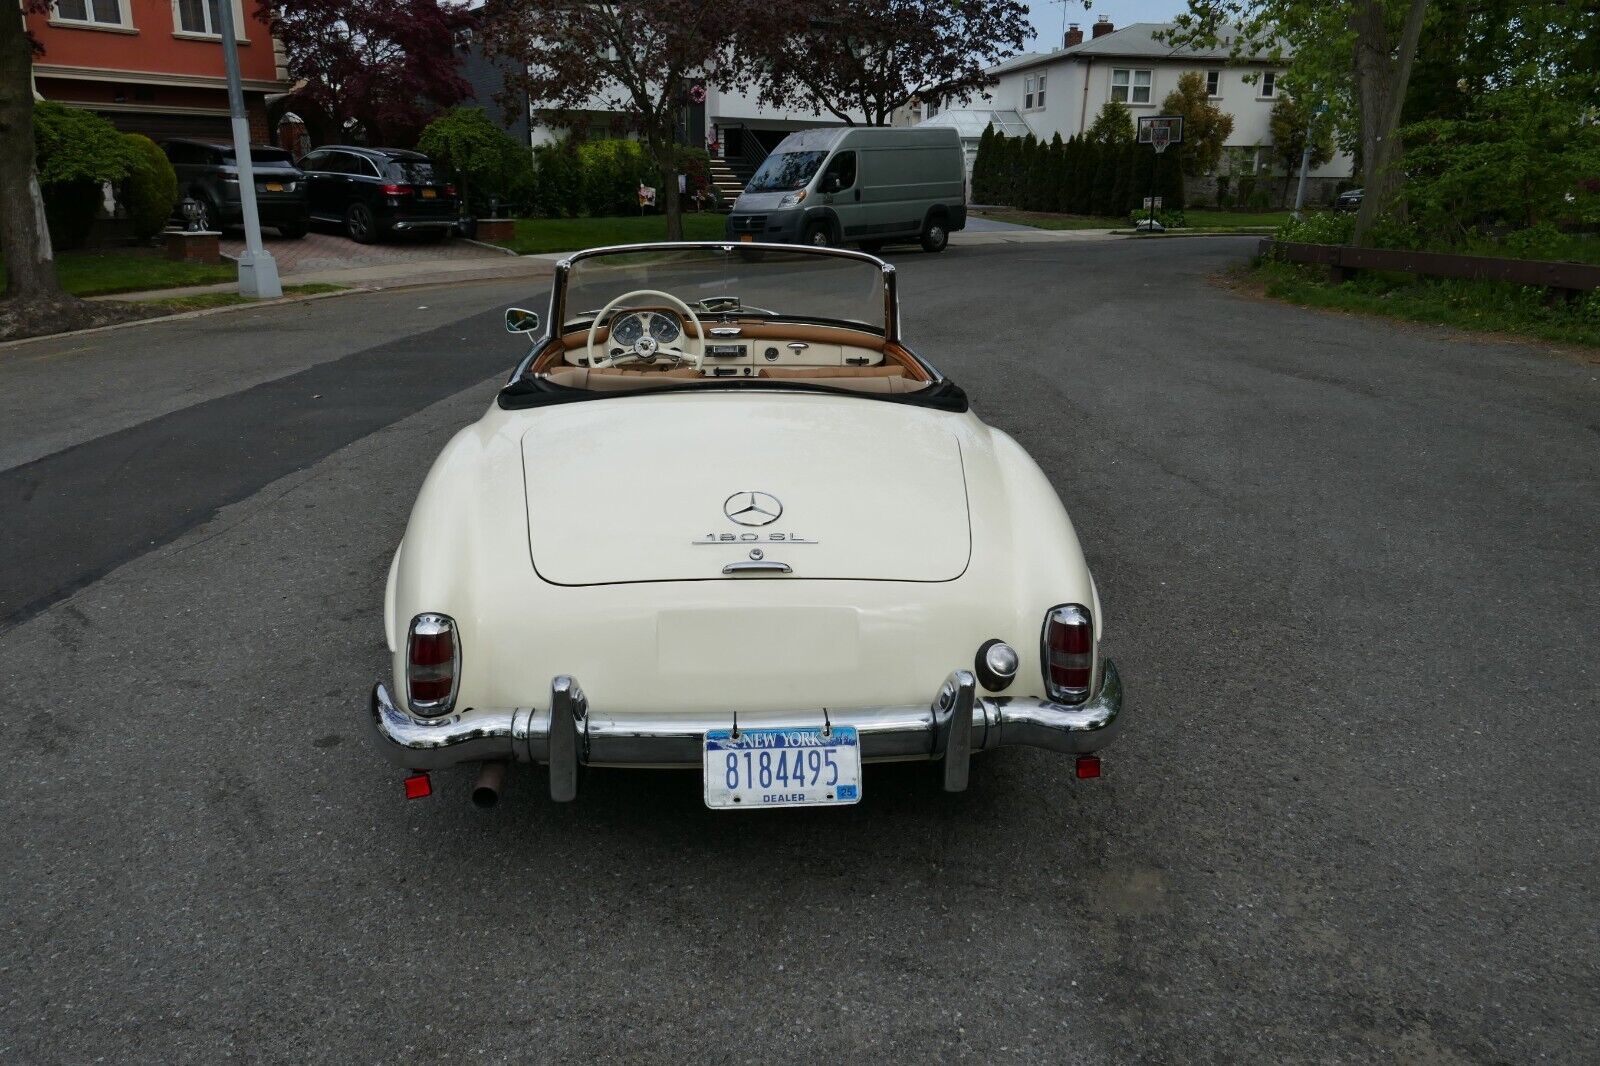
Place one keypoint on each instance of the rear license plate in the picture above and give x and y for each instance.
(273, 186)
(800, 767)
(747, 237)
(429, 194)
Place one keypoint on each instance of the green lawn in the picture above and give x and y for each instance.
(535, 235)
(1046, 220)
(103, 273)
(1489, 306)
(1212, 218)
(1199, 218)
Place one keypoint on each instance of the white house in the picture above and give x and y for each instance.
(1062, 91)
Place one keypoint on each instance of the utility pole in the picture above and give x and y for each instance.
(258, 271)
(1305, 159)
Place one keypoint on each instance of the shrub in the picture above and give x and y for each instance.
(1322, 228)
(611, 173)
(150, 189)
(1168, 219)
(560, 179)
(77, 152)
(1259, 200)
(1247, 188)
(489, 163)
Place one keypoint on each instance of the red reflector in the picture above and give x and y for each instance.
(1088, 767)
(419, 787)
(449, 190)
(397, 190)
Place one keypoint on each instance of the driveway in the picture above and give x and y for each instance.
(1348, 572)
(318, 251)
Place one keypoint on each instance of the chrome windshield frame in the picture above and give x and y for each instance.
(555, 319)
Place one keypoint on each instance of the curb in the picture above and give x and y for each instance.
(202, 312)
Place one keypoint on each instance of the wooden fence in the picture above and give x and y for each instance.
(1570, 279)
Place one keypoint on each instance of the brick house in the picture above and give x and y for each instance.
(155, 66)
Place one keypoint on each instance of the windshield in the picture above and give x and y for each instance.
(726, 280)
(785, 170)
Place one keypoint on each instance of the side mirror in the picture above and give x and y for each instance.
(520, 321)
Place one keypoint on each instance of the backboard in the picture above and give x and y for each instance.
(1159, 131)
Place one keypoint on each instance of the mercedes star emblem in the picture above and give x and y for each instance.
(752, 508)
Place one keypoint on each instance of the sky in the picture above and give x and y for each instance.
(1047, 20)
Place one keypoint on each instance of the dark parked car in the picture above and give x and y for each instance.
(1349, 200)
(208, 172)
(376, 191)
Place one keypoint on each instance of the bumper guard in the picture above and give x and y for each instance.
(567, 733)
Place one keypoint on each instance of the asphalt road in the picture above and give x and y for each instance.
(1349, 572)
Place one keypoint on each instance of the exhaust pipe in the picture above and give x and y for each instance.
(491, 782)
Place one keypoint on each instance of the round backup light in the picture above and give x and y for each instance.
(996, 665)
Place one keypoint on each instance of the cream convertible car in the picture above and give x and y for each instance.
(722, 518)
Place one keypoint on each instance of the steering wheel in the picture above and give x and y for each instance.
(646, 349)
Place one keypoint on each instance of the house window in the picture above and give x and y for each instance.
(1130, 86)
(933, 108)
(204, 18)
(1269, 83)
(1033, 92)
(93, 12)
(1213, 83)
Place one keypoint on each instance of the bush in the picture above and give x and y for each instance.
(560, 179)
(151, 189)
(1324, 228)
(1247, 188)
(1259, 200)
(76, 152)
(489, 163)
(1168, 219)
(611, 173)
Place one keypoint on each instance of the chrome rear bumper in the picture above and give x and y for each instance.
(568, 732)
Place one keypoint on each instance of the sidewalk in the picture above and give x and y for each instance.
(387, 276)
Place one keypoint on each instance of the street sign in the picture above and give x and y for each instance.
(1152, 203)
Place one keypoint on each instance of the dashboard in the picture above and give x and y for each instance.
(663, 326)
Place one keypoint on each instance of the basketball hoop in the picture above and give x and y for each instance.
(1160, 137)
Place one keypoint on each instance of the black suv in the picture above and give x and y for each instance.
(207, 171)
(375, 191)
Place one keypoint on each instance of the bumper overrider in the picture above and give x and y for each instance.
(568, 732)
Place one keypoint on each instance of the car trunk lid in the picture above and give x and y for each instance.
(676, 488)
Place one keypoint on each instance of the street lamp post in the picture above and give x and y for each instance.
(258, 271)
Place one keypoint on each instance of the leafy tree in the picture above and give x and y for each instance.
(858, 59)
(488, 163)
(1122, 190)
(151, 188)
(1066, 167)
(380, 68)
(1206, 126)
(981, 162)
(1356, 55)
(1113, 124)
(1290, 122)
(636, 58)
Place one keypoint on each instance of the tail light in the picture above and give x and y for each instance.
(433, 662)
(449, 190)
(1068, 653)
(397, 190)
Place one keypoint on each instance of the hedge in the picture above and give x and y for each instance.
(76, 152)
(1078, 176)
(151, 188)
(603, 177)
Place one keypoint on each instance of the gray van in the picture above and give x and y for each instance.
(859, 186)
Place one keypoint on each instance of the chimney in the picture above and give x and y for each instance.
(1074, 35)
(1102, 26)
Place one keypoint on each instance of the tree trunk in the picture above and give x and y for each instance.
(672, 202)
(1383, 69)
(30, 263)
